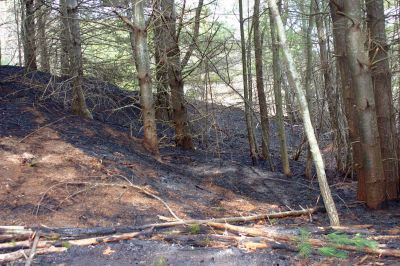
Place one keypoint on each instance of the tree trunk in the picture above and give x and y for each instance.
(142, 62)
(29, 36)
(250, 134)
(162, 82)
(64, 40)
(315, 151)
(381, 78)
(276, 68)
(307, 83)
(41, 19)
(358, 62)
(260, 83)
(183, 136)
(17, 10)
(76, 68)
(339, 36)
(195, 34)
(328, 76)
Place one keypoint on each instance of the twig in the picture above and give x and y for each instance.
(40, 128)
(32, 253)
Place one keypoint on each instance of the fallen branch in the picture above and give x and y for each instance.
(32, 253)
(16, 255)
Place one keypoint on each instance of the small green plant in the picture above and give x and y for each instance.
(332, 252)
(194, 229)
(160, 261)
(303, 244)
(66, 244)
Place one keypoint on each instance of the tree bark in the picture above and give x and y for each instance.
(41, 19)
(358, 62)
(276, 69)
(339, 36)
(381, 78)
(315, 151)
(162, 83)
(250, 134)
(76, 68)
(64, 39)
(142, 62)
(183, 138)
(29, 36)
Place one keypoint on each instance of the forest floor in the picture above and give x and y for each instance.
(58, 170)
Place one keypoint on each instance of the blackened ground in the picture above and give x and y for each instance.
(45, 151)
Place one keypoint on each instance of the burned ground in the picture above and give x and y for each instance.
(53, 165)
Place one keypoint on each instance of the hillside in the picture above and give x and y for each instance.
(58, 170)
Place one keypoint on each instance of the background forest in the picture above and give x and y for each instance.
(307, 88)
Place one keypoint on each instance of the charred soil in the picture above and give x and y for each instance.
(53, 165)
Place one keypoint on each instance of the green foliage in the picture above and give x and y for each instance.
(332, 252)
(303, 244)
(160, 261)
(334, 239)
(358, 241)
(66, 244)
(194, 229)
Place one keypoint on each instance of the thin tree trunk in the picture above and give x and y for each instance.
(339, 36)
(142, 62)
(315, 151)
(76, 68)
(328, 75)
(20, 34)
(260, 83)
(250, 133)
(41, 19)
(29, 36)
(163, 97)
(183, 136)
(64, 40)
(276, 68)
(358, 62)
(381, 78)
(195, 34)
(307, 84)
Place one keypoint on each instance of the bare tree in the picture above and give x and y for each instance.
(315, 151)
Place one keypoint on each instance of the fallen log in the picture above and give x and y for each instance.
(79, 232)
(16, 255)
